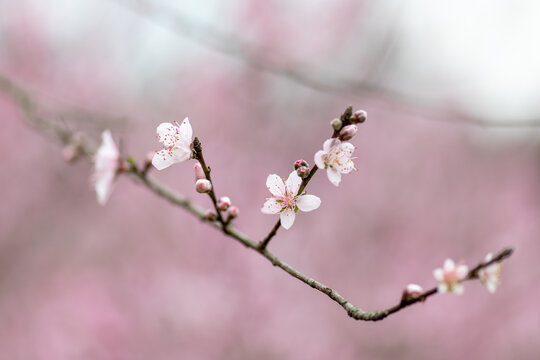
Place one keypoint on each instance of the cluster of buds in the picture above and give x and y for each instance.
(302, 168)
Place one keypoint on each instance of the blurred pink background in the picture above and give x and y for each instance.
(141, 279)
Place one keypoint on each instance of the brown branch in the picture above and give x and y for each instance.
(28, 109)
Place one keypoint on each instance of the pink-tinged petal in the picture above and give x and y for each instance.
(108, 147)
(271, 206)
(186, 132)
(163, 159)
(181, 153)
(334, 176)
(458, 289)
(438, 274)
(308, 202)
(462, 271)
(442, 287)
(276, 186)
(293, 183)
(449, 265)
(329, 144)
(347, 148)
(103, 186)
(320, 157)
(287, 218)
(346, 167)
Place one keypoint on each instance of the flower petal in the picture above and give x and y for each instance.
(347, 148)
(108, 147)
(334, 176)
(442, 287)
(462, 271)
(293, 183)
(320, 157)
(275, 184)
(438, 274)
(186, 133)
(163, 159)
(287, 218)
(167, 134)
(308, 202)
(449, 265)
(329, 144)
(103, 186)
(271, 206)
(458, 289)
(346, 167)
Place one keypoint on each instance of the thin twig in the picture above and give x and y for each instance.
(28, 108)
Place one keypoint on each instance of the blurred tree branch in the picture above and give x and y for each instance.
(304, 74)
(29, 109)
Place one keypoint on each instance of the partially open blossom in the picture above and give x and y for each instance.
(336, 158)
(199, 172)
(233, 212)
(176, 141)
(412, 292)
(223, 203)
(300, 163)
(348, 132)
(286, 202)
(490, 276)
(450, 277)
(203, 186)
(106, 164)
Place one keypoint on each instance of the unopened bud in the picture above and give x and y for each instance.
(412, 292)
(233, 212)
(70, 153)
(358, 117)
(224, 203)
(210, 216)
(203, 186)
(300, 163)
(303, 172)
(336, 124)
(199, 172)
(348, 132)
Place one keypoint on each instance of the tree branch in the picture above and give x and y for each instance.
(29, 110)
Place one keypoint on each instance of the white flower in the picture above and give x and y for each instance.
(336, 158)
(450, 277)
(490, 275)
(106, 164)
(176, 141)
(285, 200)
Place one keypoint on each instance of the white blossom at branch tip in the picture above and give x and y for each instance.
(285, 200)
(176, 141)
(490, 276)
(106, 163)
(450, 276)
(336, 158)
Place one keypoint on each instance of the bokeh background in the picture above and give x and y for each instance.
(448, 166)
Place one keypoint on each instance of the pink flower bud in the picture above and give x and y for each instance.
(336, 124)
(210, 216)
(233, 212)
(203, 186)
(224, 203)
(358, 117)
(348, 132)
(303, 172)
(299, 163)
(412, 292)
(199, 172)
(70, 153)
